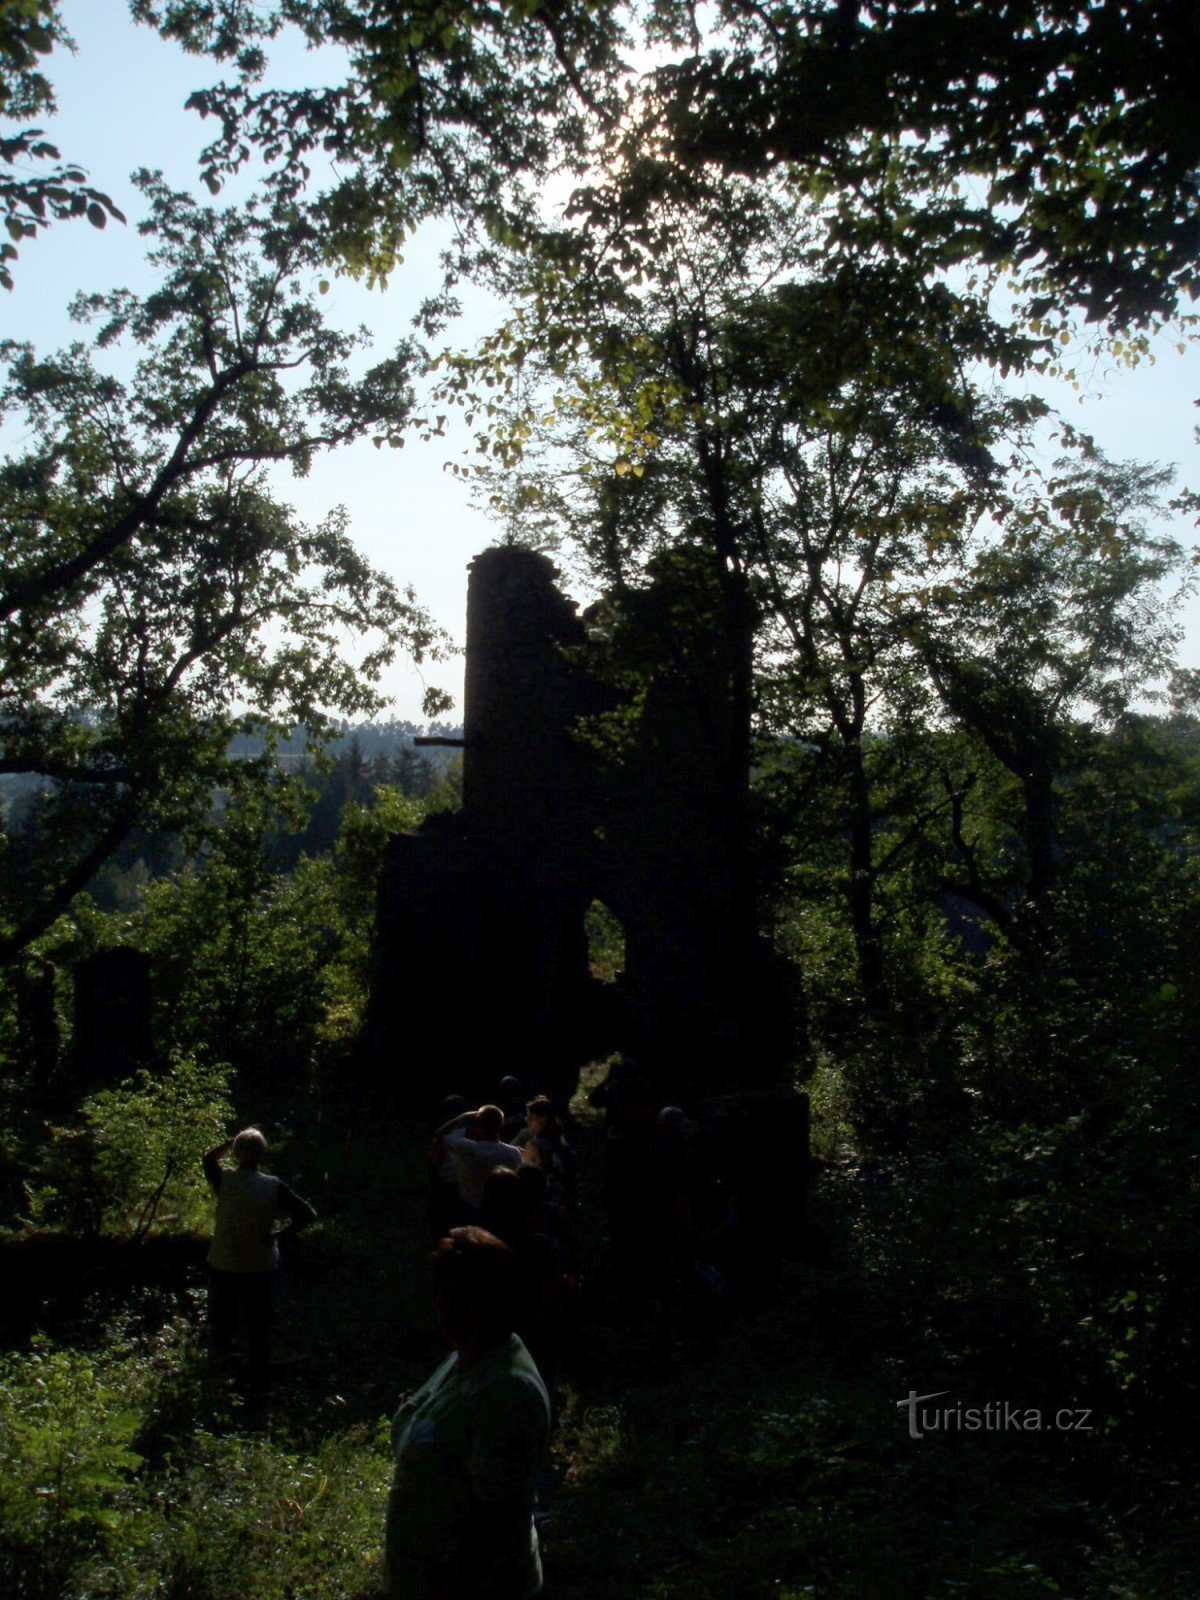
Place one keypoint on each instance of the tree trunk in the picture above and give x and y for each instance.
(43, 916)
(1037, 786)
(867, 944)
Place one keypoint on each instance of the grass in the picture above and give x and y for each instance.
(772, 1460)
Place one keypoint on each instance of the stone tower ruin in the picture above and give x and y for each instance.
(480, 929)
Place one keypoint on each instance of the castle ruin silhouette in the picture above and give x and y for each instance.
(575, 791)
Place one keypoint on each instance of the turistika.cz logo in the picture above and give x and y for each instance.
(997, 1416)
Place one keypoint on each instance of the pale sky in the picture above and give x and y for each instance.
(121, 106)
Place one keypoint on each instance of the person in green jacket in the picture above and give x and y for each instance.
(470, 1443)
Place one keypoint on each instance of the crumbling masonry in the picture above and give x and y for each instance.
(480, 936)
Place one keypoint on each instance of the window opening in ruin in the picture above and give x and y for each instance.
(606, 943)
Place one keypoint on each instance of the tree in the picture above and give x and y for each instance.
(1060, 620)
(1056, 136)
(456, 110)
(154, 596)
(822, 429)
(805, 427)
(30, 199)
(269, 970)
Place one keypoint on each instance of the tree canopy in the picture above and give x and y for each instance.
(824, 433)
(1057, 138)
(1061, 137)
(155, 595)
(36, 186)
(442, 109)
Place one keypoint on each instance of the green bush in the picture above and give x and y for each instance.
(65, 1466)
(133, 1158)
(241, 1516)
(267, 970)
(207, 1515)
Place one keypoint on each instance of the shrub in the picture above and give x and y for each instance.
(133, 1158)
(207, 1516)
(242, 1516)
(65, 1465)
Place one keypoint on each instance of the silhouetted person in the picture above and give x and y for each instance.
(630, 1100)
(510, 1211)
(690, 1214)
(545, 1214)
(446, 1208)
(504, 1208)
(470, 1443)
(473, 1143)
(510, 1097)
(671, 1220)
(631, 1104)
(244, 1257)
(543, 1143)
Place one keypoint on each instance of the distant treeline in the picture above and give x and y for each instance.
(366, 759)
(372, 738)
(347, 770)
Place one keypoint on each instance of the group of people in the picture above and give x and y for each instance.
(511, 1170)
(471, 1443)
(472, 1144)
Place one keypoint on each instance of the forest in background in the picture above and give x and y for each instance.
(767, 390)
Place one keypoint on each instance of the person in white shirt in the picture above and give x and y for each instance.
(244, 1258)
(473, 1143)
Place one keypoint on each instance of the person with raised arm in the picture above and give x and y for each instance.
(473, 1142)
(254, 1210)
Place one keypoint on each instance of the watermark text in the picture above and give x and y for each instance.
(997, 1416)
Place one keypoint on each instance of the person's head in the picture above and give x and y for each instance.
(511, 1091)
(249, 1148)
(488, 1123)
(671, 1130)
(452, 1106)
(540, 1114)
(475, 1288)
(533, 1181)
(623, 1083)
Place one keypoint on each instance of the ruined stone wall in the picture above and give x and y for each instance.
(481, 915)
